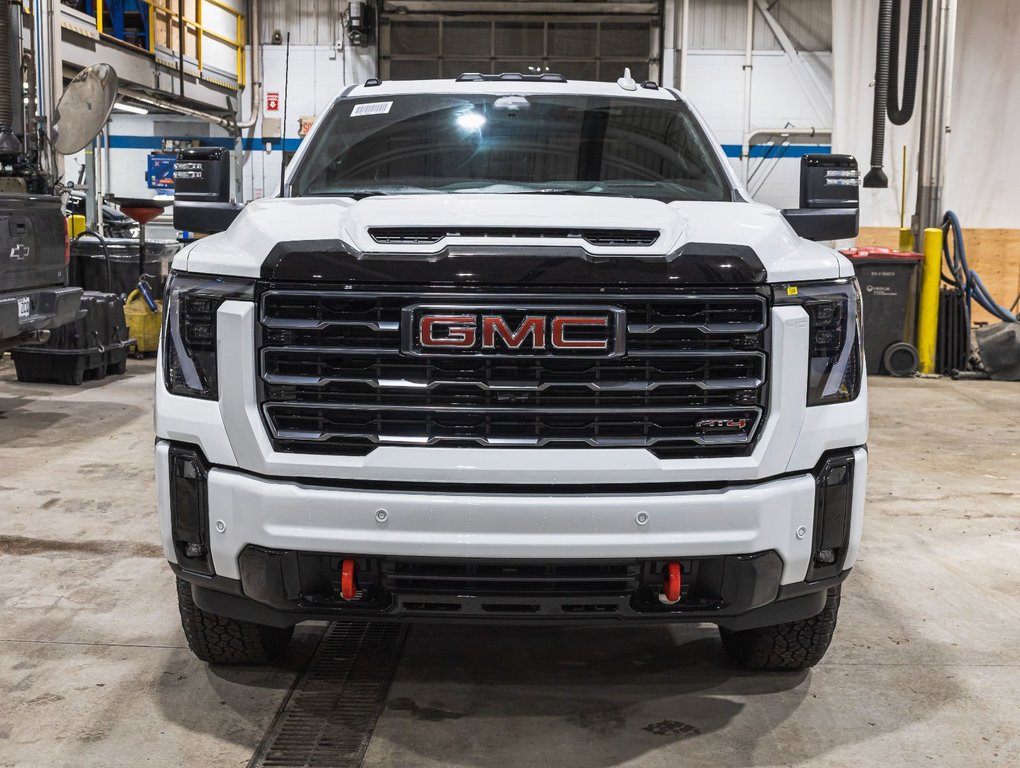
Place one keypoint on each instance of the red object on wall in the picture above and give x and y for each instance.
(272, 101)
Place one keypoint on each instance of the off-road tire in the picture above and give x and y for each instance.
(794, 645)
(219, 640)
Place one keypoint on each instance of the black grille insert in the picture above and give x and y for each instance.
(431, 235)
(333, 379)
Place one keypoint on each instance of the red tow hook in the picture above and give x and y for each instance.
(671, 584)
(348, 584)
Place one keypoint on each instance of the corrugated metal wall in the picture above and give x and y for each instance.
(310, 22)
(718, 25)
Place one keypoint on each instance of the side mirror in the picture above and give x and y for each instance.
(829, 198)
(202, 191)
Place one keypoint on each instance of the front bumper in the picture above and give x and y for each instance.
(766, 523)
(48, 308)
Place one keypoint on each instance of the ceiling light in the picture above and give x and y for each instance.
(130, 108)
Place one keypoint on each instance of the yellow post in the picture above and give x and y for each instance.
(928, 310)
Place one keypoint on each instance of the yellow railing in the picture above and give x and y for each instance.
(163, 9)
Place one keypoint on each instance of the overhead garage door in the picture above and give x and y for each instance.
(589, 47)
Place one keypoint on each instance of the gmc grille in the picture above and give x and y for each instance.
(333, 379)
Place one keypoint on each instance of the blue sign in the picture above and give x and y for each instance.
(160, 171)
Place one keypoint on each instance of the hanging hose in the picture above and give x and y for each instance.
(106, 254)
(876, 176)
(900, 115)
(963, 277)
(887, 79)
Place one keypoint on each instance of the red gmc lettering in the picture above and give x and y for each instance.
(559, 330)
(493, 326)
(460, 331)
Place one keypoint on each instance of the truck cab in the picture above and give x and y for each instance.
(515, 349)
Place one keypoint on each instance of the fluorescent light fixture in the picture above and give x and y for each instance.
(470, 121)
(130, 108)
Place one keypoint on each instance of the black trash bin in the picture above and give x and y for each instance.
(890, 286)
(88, 265)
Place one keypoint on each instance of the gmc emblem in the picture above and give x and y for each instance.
(526, 332)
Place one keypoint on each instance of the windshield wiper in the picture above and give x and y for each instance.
(358, 194)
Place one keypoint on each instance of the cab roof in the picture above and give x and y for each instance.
(509, 83)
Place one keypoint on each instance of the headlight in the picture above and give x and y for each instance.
(189, 332)
(835, 358)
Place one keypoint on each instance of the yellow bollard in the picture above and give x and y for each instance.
(928, 309)
(906, 239)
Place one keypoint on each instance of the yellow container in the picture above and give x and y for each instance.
(75, 225)
(143, 323)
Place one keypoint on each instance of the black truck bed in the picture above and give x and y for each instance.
(33, 267)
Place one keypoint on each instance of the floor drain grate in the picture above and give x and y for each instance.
(328, 718)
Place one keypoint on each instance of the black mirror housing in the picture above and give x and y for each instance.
(202, 191)
(829, 198)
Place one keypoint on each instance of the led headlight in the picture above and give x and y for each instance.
(835, 354)
(189, 332)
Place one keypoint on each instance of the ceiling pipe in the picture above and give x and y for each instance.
(748, 68)
(939, 46)
(685, 21)
(817, 133)
(170, 106)
(256, 69)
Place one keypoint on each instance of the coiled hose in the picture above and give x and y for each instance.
(901, 114)
(962, 276)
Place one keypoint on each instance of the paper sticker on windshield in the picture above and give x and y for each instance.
(375, 108)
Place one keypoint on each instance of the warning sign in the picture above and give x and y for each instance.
(272, 101)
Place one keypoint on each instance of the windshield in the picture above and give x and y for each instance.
(549, 144)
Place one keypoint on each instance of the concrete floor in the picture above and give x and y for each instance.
(924, 669)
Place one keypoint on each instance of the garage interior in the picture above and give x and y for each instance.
(94, 666)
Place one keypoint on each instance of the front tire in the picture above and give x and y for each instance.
(794, 645)
(220, 640)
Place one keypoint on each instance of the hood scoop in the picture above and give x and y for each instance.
(597, 237)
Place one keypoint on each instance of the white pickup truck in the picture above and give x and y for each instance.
(513, 349)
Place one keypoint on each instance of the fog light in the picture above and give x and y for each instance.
(194, 550)
(833, 496)
(189, 509)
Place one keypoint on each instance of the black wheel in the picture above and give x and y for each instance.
(795, 645)
(219, 640)
(118, 369)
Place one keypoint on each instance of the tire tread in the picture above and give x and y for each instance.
(221, 640)
(791, 646)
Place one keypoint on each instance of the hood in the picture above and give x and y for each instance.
(241, 250)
